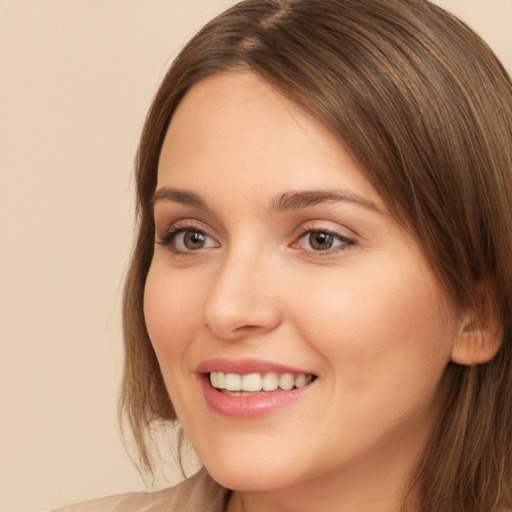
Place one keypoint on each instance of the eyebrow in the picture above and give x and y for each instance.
(297, 200)
(179, 196)
(294, 200)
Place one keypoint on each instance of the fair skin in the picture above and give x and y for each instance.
(284, 253)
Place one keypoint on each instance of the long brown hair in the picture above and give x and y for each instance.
(425, 108)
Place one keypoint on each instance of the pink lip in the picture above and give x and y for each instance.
(251, 406)
(245, 366)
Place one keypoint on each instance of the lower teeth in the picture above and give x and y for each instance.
(240, 393)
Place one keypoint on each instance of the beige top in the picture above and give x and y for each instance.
(199, 493)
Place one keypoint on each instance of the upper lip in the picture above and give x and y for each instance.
(246, 366)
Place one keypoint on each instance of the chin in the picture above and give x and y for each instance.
(251, 468)
(249, 477)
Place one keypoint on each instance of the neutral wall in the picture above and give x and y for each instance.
(76, 78)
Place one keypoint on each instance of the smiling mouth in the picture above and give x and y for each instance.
(234, 384)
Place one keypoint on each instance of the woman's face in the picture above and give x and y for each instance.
(275, 258)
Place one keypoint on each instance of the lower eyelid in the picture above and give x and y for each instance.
(333, 252)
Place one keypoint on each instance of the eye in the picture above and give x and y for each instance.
(322, 240)
(183, 240)
(192, 240)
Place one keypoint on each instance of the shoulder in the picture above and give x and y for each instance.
(199, 492)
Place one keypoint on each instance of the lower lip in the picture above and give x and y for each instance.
(251, 406)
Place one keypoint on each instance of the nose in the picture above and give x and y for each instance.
(243, 299)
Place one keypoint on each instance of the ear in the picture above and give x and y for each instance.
(479, 337)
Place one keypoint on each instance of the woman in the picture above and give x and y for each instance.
(320, 292)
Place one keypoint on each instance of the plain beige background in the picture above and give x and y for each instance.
(76, 78)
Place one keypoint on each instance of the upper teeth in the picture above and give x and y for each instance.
(254, 382)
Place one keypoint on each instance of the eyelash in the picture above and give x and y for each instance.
(169, 238)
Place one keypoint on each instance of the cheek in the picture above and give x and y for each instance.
(378, 325)
(385, 343)
(171, 312)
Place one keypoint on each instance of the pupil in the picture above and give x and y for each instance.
(194, 240)
(321, 241)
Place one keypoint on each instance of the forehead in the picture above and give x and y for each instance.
(232, 111)
(235, 129)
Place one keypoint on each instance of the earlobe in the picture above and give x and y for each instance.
(478, 340)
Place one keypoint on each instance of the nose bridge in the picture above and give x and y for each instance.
(242, 299)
